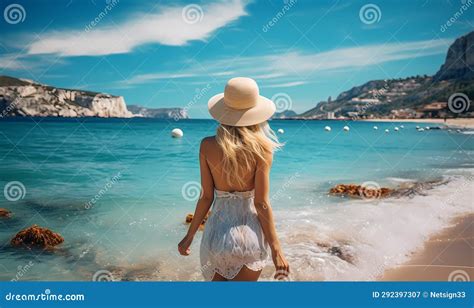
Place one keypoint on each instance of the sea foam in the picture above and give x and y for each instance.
(358, 240)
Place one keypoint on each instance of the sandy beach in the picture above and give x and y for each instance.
(448, 255)
(456, 123)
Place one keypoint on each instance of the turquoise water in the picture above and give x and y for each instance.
(114, 187)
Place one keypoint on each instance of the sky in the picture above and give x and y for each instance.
(181, 53)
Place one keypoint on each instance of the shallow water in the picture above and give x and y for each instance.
(118, 190)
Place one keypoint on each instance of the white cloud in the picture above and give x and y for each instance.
(10, 62)
(147, 78)
(352, 57)
(285, 84)
(296, 68)
(166, 27)
(32, 65)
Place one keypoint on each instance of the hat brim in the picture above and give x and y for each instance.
(263, 110)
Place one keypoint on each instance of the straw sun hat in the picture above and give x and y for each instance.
(241, 104)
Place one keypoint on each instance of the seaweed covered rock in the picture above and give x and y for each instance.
(5, 213)
(190, 217)
(36, 236)
(359, 191)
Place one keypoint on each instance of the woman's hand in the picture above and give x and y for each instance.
(183, 246)
(282, 268)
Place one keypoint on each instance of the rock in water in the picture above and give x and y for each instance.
(280, 131)
(5, 213)
(327, 128)
(190, 217)
(359, 191)
(177, 133)
(36, 236)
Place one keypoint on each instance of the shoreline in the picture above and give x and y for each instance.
(445, 256)
(464, 123)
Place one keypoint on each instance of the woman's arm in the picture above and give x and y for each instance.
(265, 214)
(204, 203)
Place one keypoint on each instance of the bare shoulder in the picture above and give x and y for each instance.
(208, 143)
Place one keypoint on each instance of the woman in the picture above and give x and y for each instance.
(235, 168)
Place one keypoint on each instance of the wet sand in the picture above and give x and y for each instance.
(456, 123)
(448, 255)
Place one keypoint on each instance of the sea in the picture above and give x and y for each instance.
(118, 191)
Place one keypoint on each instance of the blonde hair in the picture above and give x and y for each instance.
(242, 146)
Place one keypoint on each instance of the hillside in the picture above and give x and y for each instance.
(22, 97)
(411, 97)
(158, 113)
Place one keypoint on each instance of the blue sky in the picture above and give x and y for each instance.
(179, 54)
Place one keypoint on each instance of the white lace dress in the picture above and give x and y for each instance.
(233, 236)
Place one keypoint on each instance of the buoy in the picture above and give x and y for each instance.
(346, 128)
(387, 130)
(177, 133)
(417, 127)
(327, 128)
(421, 129)
(280, 131)
(396, 129)
(375, 127)
(427, 127)
(402, 127)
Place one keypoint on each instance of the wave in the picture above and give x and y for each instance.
(358, 240)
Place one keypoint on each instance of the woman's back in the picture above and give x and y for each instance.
(214, 156)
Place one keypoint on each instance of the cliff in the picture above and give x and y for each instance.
(459, 62)
(158, 113)
(20, 97)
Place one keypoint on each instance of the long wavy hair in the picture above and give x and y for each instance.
(242, 146)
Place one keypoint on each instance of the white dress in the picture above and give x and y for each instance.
(233, 236)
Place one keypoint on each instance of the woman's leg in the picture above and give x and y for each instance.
(246, 274)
